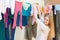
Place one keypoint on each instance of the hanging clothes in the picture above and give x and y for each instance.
(24, 20)
(39, 10)
(18, 7)
(2, 29)
(6, 17)
(31, 30)
(33, 12)
(25, 15)
(42, 13)
(9, 32)
(48, 8)
(26, 10)
(12, 5)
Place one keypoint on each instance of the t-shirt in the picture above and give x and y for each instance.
(26, 12)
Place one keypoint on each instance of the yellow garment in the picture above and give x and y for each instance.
(42, 9)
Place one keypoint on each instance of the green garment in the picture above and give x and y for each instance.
(2, 30)
(31, 30)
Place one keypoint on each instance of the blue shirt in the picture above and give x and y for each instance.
(26, 12)
(24, 20)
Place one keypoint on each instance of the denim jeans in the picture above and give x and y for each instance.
(7, 32)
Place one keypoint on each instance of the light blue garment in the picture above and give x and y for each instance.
(26, 12)
(57, 7)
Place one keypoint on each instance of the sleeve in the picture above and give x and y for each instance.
(43, 26)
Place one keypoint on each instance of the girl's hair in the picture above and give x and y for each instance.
(47, 15)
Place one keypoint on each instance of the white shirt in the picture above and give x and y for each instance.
(42, 30)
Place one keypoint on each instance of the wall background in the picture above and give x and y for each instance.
(52, 1)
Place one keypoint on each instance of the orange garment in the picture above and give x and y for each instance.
(52, 32)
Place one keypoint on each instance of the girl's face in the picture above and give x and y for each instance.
(46, 20)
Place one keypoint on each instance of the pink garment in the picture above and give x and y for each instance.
(32, 14)
(6, 17)
(48, 8)
(33, 20)
(18, 7)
